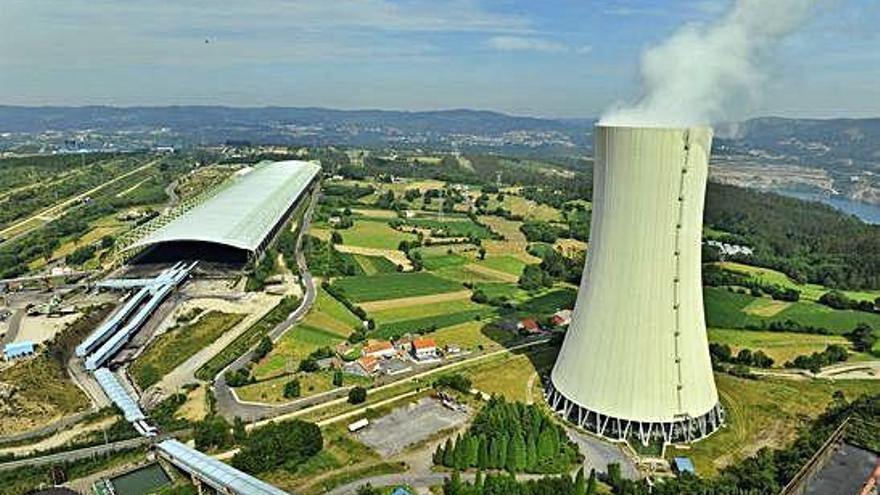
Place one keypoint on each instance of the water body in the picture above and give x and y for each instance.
(868, 213)
(141, 481)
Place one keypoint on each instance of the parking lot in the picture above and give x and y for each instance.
(409, 425)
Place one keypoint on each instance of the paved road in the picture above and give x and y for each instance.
(72, 455)
(227, 404)
(296, 409)
(14, 325)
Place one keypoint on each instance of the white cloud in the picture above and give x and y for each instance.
(526, 44)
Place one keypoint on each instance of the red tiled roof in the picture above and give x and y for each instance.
(424, 343)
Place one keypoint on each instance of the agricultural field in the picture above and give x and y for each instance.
(765, 413)
(332, 316)
(292, 348)
(514, 243)
(374, 234)
(177, 344)
(811, 292)
(426, 324)
(506, 264)
(372, 265)
(473, 336)
(456, 227)
(393, 286)
(781, 346)
(401, 313)
(725, 309)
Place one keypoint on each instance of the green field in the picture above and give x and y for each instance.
(781, 346)
(550, 302)
(473, 335)
(176, 345)
(431, 323)
(507, 264)
(512, 375)
(439, 262)
(292, 348)
(331, 315)
(272, 390)
(764, 413)
(374, 234)
(393, 286)
(401, 313)
(248, 339)
(810, 292)
(451, 227)
(372, 265)
(462, 274)
(725, 309)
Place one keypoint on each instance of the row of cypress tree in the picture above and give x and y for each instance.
(511, 436)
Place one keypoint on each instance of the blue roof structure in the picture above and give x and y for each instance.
(117, 393)
(219, 475)
(18, 349)
(401, 491)
(684, 465)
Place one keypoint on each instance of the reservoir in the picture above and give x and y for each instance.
(868, 213)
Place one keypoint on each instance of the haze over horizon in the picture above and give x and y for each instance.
(559, 58)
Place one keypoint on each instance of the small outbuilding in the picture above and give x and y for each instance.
(18, 349)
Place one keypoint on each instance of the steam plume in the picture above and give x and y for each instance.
(708, 73)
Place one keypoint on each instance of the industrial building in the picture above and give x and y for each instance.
(635, 360)
(243, 217)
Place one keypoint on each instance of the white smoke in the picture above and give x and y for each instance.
(708, 73)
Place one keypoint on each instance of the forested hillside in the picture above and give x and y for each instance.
(808, 241)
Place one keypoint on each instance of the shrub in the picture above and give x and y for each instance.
(357, 395)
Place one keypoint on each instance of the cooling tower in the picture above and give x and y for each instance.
(635, 361)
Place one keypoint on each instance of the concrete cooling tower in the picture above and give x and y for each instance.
(635, 361)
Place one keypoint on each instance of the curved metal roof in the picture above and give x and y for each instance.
(243, 213)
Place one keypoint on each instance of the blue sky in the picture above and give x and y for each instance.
(555, 58)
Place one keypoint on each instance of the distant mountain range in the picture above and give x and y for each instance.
(188, 125)
(803, 140)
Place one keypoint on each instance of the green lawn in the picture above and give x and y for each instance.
(293, 347)
(373, 234)
(725, 309)
(394, 285)
(176, 345)
(781, 346)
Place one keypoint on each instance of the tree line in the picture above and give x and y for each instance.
(510, 436)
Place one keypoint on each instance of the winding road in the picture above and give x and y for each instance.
(227, 403)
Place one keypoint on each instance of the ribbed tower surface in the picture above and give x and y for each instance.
(635, 360)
